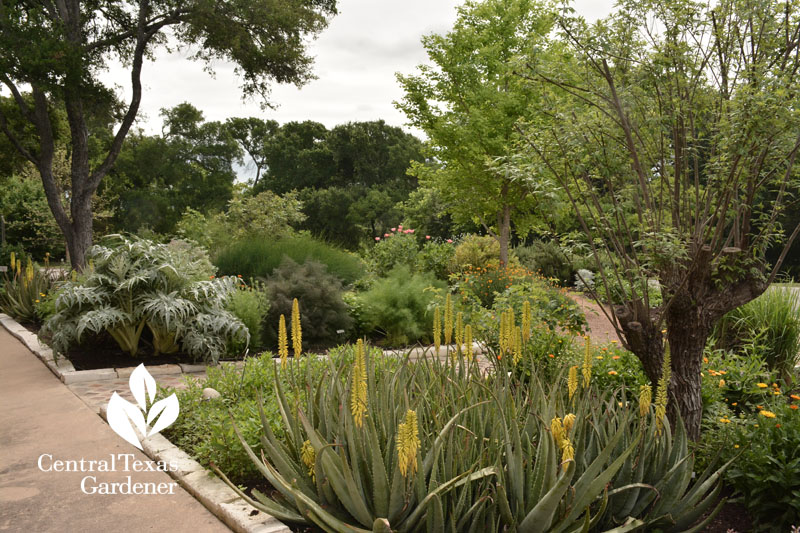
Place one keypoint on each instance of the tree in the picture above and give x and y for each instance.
(297, 157)
(253, 135)
(468, 103)
(75, 40)
(156, 178)
(676, 139)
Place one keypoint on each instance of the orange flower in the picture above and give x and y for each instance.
(612, 372)
(615, 357)
(551, 356)
(794, 406)
(794, 396)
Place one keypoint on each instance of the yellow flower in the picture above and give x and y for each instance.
(557, 429)
(721, 383)
(567, 451)
(459, 332)
(283, 342)
(408, 444)
(762, 385)
(448, 319)
(526, 321)
(725, 420)
(572, 380)
(736, 446)
(645, 398)
(662, 390)
(599, 357)
(358, 392)
(569, 421)
(517, 345)
(437, 329)
(468, 340)
(309, 456)
(768, 414)
(587, 363)
(297, 330)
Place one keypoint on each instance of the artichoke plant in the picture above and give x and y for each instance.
(132, 284)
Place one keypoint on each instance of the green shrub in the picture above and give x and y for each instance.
(478, 251)
(131, 284)
(250, 305)
(771, 321)
(258, 257)
(548, 259)
(436, 257)
(324, 315)
(394, 249)
(766, 473)
(397, 307)
(485, 283)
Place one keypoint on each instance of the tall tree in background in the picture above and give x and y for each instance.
(58, 49)
(676, 140)
(468, 102)
(156, 178)
(253, 136)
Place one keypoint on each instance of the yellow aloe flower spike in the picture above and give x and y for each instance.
(645, 398)
(662, 392)
(567, 451)
(297, 330)
(448, 320)
(468, 340)
(29, 271)
(572, 381)
(408, 444)
(309, 457)
(557, 429)
(459, 332)
(13, 260)
(526, 321)
(283, 342)
(358, 391)
(569, 421)
(437, 329)
(587, 363)
(74, 275)
(517, 344)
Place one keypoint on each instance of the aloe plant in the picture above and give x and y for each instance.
(131, 284)
(480, 453)
(23, 289)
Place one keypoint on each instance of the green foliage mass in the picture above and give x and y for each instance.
(770, 322)
(132, 283)
(259, 256)
(28, 222)
(397, 307)
(250, 305)
(323, 313)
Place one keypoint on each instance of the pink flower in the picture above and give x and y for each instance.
(400, 226)
(394, 229)
(450, 240)
(377, 238)
(411, 231)
(428, 237)
(406, 231)
(385, 234)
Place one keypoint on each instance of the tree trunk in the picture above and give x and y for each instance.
(504, 233)
(688, 329)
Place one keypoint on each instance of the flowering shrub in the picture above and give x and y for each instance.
(766, 439)
(24, 288)
(399, 247)
(485, 282)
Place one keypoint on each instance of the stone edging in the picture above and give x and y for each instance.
(209, 490)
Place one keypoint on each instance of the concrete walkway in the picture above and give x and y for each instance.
(39, 416)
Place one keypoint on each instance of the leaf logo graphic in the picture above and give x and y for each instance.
(127, 419)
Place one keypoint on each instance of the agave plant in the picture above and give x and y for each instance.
(131, 284)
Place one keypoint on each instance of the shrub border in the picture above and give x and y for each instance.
(209, 490)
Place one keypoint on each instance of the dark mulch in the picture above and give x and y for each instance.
(732, 517)
(103, 352)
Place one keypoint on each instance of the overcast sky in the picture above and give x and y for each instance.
(356, 59)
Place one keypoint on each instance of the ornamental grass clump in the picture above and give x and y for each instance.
(132, 284)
